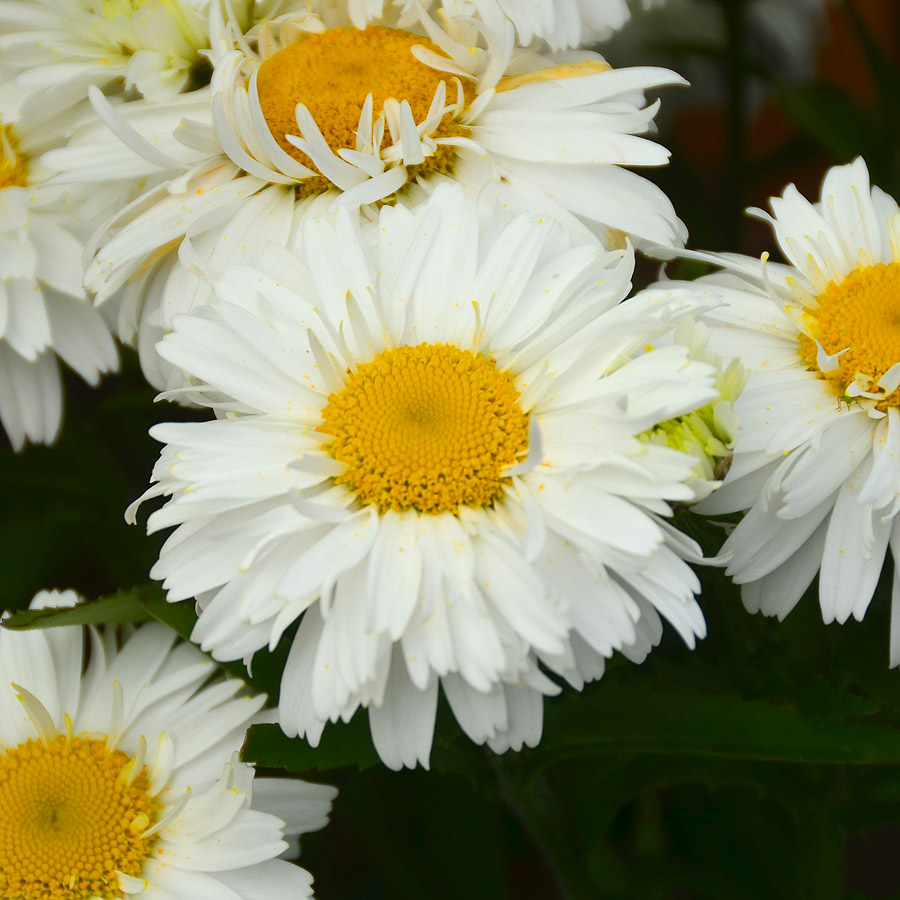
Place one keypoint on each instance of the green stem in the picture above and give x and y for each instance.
(734, 12)
(821, 855)
(534, 803)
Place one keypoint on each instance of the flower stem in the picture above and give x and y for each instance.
(533, 801)
(734, 12)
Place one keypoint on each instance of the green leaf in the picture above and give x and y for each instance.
(145, 602)
(830, 115)
(635, 719)
(443, 838)
(347, 745)
(180, 617)
(123, 606)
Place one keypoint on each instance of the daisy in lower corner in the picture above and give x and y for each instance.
(119, 774)
(816, 460)
(432, 450)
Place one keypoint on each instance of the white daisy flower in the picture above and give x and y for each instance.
(155, 46)
(291, 129)
(121, 777)
(815, 463)
(561, 23)
(430, 452)
(44, 310)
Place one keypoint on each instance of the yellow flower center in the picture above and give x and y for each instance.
(428, 428)
(860, 316)
(72, 813)
(332, 73)
(13, 166)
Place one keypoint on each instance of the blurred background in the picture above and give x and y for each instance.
(766, 764)
(780, 90)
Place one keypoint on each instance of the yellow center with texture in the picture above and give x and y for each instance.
(332, 73)
(861, 316)
(429, 428)
(13, 166)
(72, 813)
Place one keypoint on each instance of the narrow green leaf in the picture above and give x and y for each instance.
(831, 116)
(143, 603)
(180, 617)
(629, 719)
(123, 606)
(345, 745)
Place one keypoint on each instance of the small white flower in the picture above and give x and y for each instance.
(430, 450)
(121, 777)
(816, 461)
(44, 311)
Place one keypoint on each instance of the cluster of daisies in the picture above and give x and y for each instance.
(388, 246)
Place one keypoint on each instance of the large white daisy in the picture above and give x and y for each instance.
(44, 310)
(157, 47)
(433, 450)
(121, 777)
(289, 128)
(816, 461)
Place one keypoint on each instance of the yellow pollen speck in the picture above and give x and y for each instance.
(71, 817)
(332, 73)
(13, 166)
(861, 316)
(429, 428)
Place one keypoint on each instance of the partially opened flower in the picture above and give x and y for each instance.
(709, 433)
(120, 776)
(290, 129)
(816, 461)
(44, 310)
(430, 451)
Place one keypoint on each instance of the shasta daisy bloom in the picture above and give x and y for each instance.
(290, 126)
(44, 311)
(154, 46)
(121, 777)
(816, 461)
(430, 453)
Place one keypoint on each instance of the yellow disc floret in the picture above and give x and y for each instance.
(13, 166)
(72, 815)
(332, 73)
(861, 317)
(428, 428)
